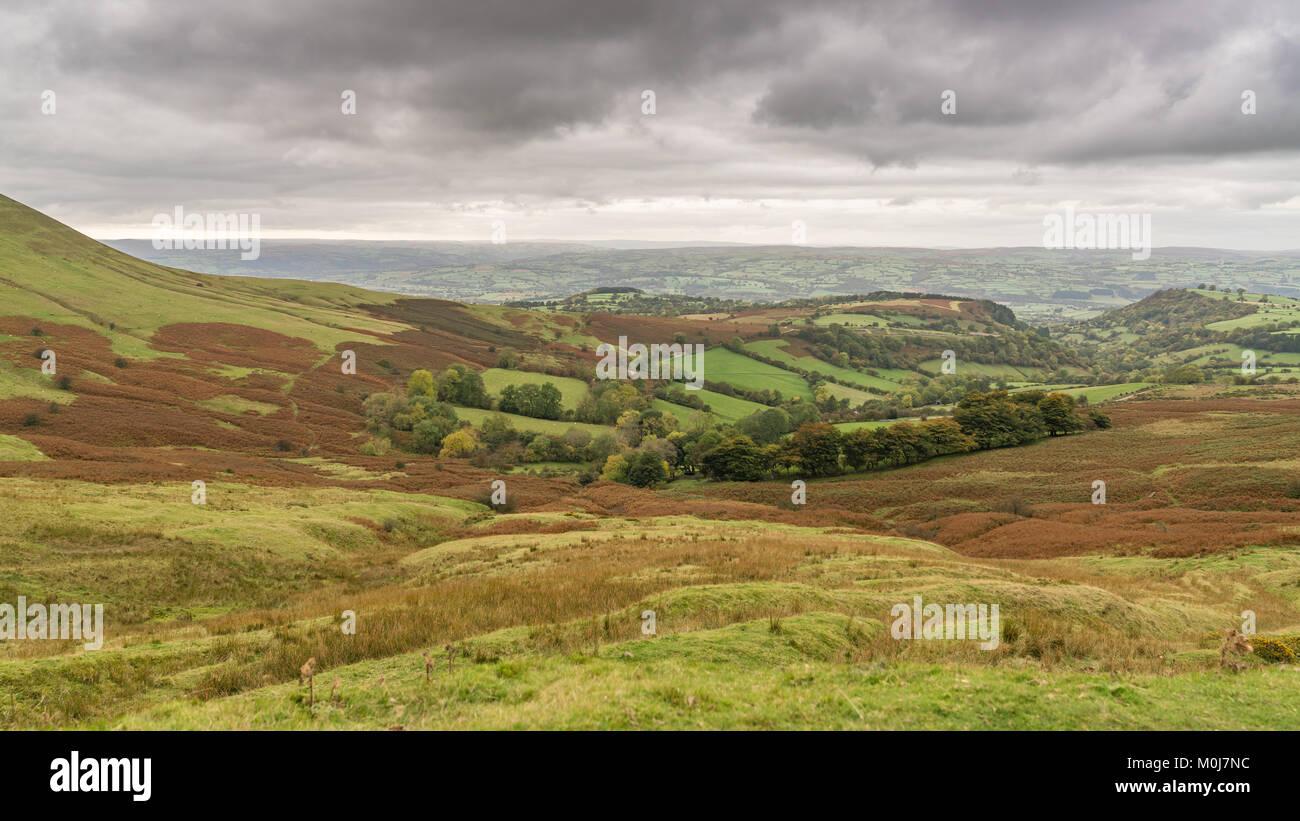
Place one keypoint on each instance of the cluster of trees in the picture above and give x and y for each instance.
(538, 401)
(457, 385)
(981, 420)
(429, 422)
(607, 400)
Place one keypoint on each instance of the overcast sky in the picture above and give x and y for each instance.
(531, 112)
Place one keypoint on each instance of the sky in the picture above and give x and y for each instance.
(942, 124)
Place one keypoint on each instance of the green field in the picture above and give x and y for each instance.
(846, 427)
(1104, 393)
(30, 383)
(15, 449)
(549, 427)
(725, 408)
(1009, 373)
(852, 320)
(776, 349)
(738, 370)
(571, 390)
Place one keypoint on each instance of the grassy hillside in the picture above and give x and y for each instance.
(757, 626)
(54, 274)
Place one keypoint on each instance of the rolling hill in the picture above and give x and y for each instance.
(323, 496)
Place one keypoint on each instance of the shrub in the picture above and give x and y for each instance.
(31, 420)
(1282, 649)
(1014, 505)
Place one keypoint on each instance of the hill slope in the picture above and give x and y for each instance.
(56, 274)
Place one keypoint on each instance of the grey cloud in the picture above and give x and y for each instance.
(536, 104)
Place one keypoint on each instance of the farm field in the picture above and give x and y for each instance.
(571, 390)
(776, 349)
(739, 370)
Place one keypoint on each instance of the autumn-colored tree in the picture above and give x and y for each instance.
(420, 384)
(460, 444)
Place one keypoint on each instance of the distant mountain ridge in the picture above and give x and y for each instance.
(1041, 285)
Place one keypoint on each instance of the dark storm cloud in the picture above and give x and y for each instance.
(534, 104)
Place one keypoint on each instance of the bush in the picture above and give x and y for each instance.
(1015, 505)
(284, 446)
(1282, 649)
(31, 420)
(485, 498)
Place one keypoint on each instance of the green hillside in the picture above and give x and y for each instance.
(53, 273)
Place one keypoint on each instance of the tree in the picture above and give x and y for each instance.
(646, 469)
(600, 448)
(461, 386)
(995, 421)
(538, 449)
(948, 437)
(1058, 414)
(817, 448)
(420, 384)
(538, 401)
(428, 436)
(858, 450)
(615, 469)
(629, 428)
(460, 444)
(382, 409)
(765, 426)
(1184, 375)
(496, 431)
(735, 458)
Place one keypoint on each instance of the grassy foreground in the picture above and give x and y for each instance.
(536, 621)
(747, 679)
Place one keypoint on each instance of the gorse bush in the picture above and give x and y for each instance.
(1278, 649)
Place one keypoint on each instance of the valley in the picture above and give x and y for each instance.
(949, 447)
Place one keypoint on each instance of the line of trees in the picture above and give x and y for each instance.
(982, 420)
